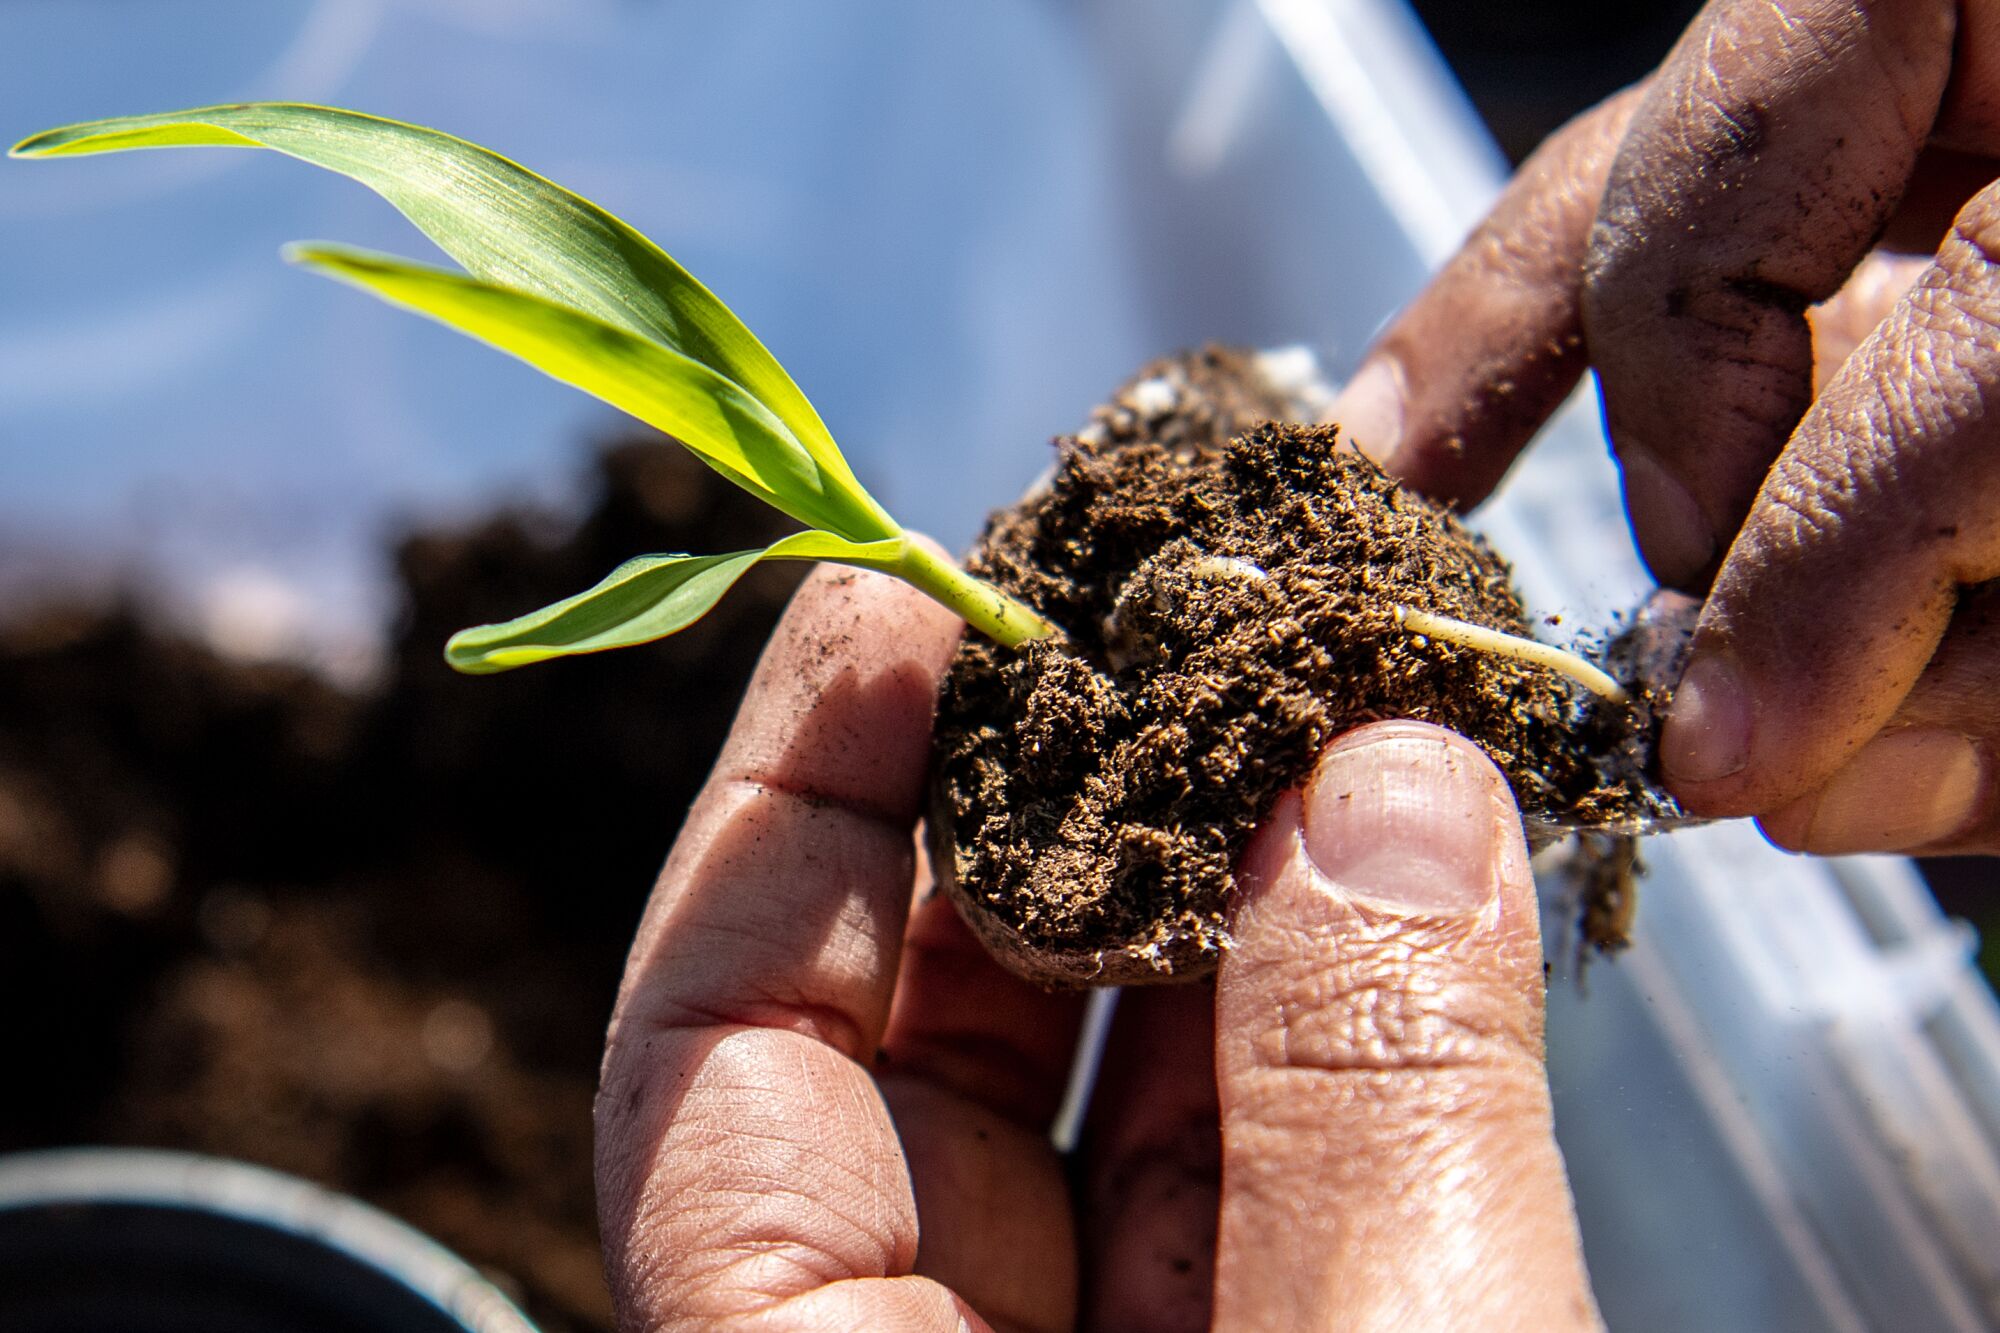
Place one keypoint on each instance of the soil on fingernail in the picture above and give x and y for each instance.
(1228, 587)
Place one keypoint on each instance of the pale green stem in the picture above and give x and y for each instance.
(1529, 651)
(981, 605)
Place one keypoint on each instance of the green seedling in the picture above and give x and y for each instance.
(562, 284)
(551, 278)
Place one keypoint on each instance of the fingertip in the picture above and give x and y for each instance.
(1711, 722)
(1463, 378)
(1902, 791)
(1674, 534)
(1410, 817)
(1370, 410)
(842, 613)
(842, 700)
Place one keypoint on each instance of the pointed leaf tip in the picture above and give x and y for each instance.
(26, 147)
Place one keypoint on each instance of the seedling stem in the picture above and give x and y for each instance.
(981, 605)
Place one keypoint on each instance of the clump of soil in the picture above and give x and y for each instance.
(1230, 610)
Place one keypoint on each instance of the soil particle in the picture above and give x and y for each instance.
(1230, 610)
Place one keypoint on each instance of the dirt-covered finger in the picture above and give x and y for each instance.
(788, 889)
(1926, 782)
(1466, 375)
(1765, 158)
(1838, 590)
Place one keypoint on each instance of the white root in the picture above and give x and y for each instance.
(1227, 569)
(1125, 646)
(1530, 651)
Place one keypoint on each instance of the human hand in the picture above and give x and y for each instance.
(1845, 679)
(823, 1105)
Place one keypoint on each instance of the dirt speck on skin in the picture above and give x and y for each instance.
(1230, 610)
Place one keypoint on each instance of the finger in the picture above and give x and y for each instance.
(1465, 375)
(973, 1067)
(966, 1024)
(1752, 179)
(1924, 783)
(744, 1158)
(1838, 589)
(1151, 1166)
(1844, 320)
(1389, 1160)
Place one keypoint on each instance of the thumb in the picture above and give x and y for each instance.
(1389, 1160)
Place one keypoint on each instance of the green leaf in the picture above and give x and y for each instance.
(642, 600)
(505, 224)
(727, 428)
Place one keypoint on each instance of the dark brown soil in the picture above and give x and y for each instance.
(1229, 611)
(372, 940)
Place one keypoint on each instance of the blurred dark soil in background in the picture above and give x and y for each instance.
(372, 940)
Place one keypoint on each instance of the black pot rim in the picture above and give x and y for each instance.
(263, 1197)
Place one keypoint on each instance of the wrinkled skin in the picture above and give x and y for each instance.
(1778, 256)
(824, 1107)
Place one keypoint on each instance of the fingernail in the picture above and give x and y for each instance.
(1369, 410)
(1904, 790)
(1707, 734)
(1404, 818)
(1674, 534)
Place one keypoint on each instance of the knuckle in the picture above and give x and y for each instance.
(1753, 166)
(1380, 1063)
(1951, 359)
(1398, 1001)
(1977, 227)
(1807, 500)
(1898, 441)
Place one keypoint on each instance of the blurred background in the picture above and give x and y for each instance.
(185, 413)
(274, 885)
